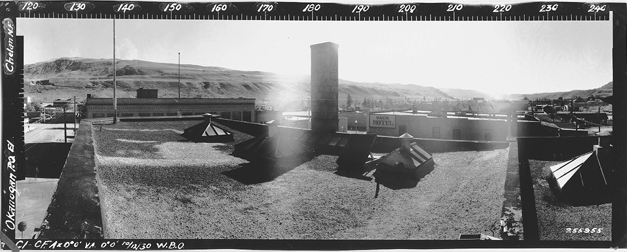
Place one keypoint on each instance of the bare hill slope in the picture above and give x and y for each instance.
(81, 76)
(603, 91)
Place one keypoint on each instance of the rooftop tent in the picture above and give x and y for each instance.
(584, 179)
(207, 131)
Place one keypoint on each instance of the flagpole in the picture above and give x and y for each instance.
(179, 75)
(115, 101)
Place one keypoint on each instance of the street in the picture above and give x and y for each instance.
(45, 154)
(47, 133)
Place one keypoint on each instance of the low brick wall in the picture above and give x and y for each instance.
(254, 129)
(527, 197)
(385, 144)
(558, 148)
(163, 118)
(512, 203)
(74, 212)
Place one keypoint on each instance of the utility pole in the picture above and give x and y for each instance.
(64, 124)
(115, 101)
(599, 116)
(75, 116)
(179, 75)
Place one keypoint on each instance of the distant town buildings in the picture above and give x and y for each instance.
(439, 127)
(147, 93)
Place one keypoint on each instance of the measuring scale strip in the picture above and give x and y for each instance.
(282, 11)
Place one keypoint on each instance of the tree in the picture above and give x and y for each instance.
(388, 103)
(29, 107)
(33, 107)
(349, 101)
(22, 227)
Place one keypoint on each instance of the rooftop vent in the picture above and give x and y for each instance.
(408, 159)
(207, 131)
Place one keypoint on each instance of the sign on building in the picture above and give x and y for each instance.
(382, 121)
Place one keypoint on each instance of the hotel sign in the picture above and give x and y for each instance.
(382, 121)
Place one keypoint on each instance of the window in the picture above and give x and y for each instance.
(187, 113)
(225, 115)
(144, 114)
(488, 134)
(237, 115)
(247, 116)
(98, 115)
(436, 132)
(127, 115)
(457, 134)
(171, 114)
(157, 114)
(109, 115)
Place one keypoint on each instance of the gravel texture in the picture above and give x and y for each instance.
(555, 217)
(156, 185)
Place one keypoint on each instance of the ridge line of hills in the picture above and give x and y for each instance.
(81, 76)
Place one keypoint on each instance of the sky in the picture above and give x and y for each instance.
(494, 57)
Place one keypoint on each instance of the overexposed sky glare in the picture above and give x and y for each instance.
(496, 57)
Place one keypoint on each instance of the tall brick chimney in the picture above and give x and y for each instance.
(324, 88)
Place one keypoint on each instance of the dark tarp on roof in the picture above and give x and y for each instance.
(355, 154)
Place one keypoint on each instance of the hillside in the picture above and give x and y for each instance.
(466, 93)
(80, 76)
(603, 91)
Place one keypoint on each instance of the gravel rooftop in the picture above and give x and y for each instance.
(156, 185)
(555, 217)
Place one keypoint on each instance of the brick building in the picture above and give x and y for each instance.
(439, 127)
(230, 108)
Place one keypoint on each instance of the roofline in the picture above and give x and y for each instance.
(165, 101)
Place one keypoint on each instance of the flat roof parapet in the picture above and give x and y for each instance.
(74, 212)
(166, 101)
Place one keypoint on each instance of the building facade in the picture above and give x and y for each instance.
(242, 109)
(439, 127)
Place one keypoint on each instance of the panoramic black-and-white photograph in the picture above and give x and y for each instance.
(241, 129)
